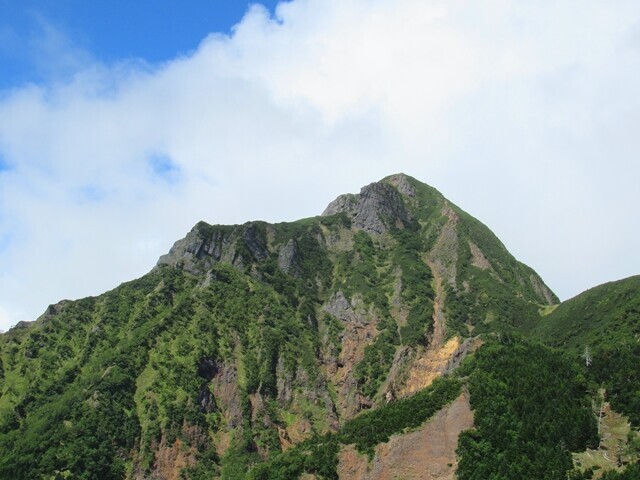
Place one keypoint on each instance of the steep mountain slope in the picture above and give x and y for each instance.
(246, 340)
(602, 325)
(531, 409)
(600, 329)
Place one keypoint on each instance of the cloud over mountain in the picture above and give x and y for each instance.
(526, 114)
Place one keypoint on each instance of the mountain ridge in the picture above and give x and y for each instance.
(248, 340)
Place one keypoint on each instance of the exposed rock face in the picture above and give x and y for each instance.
(341, 308)
(50, 312)
(284, 383)
(359, 330)
(478, 258)
(197, 246)
(542, 290)
(205, 245)
(206, 401)
(288, 257)
(401, 182)
(376, 209)
(227, 391)
(443, 257)
(256, 242)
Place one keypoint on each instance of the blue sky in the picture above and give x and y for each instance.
(124, 124)
(109, 30)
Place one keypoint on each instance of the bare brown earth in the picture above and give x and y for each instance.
(431, 362)
(429, 365)
(427, 453)
(170, 460)
(441, 355)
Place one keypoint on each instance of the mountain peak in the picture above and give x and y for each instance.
(378, 207)
(458, 248)
(402, 183)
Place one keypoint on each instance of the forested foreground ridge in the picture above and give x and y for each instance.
(393, 336)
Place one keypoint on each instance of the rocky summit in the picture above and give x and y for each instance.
(393, 336)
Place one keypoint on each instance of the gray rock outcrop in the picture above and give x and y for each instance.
(377, 208)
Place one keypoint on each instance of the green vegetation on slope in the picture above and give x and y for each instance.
(616, 368)
(531, 410)
(604, 315)
(128, 378)
(67, 404)
(501, 295)
(498, 297)
(603, 322)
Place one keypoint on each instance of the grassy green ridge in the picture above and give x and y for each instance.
(606, 314)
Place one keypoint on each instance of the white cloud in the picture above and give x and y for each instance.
(524, 114)
(5, 320)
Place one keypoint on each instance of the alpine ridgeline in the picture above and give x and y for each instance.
(252, 351)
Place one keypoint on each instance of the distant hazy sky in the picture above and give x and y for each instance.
(122, 124)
